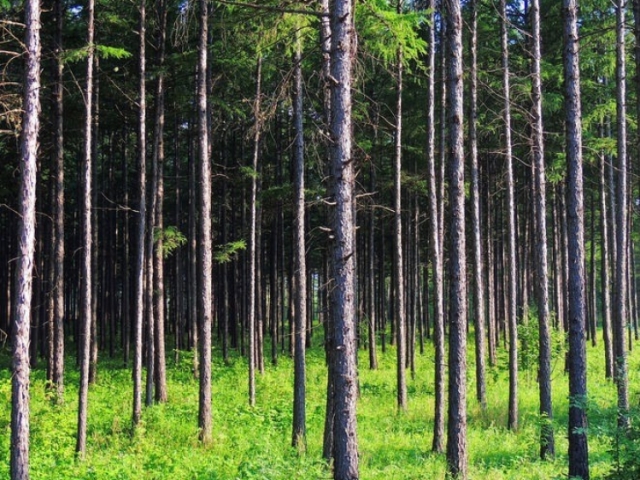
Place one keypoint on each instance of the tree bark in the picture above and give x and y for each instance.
(511, 229)
(205, 297)
(478, 278)
(438, 443)
(343, 45)
(621, 310)
(547, 444)
(86, 273)
(300, 266)
(139, 272)
(19, 463)
(457, 424)
(578, 447)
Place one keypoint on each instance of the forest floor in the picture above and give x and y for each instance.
(254, 443)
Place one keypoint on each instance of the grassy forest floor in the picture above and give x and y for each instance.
(254, 443)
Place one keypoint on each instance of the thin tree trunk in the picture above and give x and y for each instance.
(478, 283)
(139, 272)
(438, 443)
(86, 273)
(205, 297)
(605, 274)
(511, 229)
(19, 463)
(252, 239)
(457, 423)
(620, 305)
(59, 286)
(300, 267)
(159, 360)
(343, 45)
(578, 447)
(547, 444)
(399, 304)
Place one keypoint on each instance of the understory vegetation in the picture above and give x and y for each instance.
(254, 443)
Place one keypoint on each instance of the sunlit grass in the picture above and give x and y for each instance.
(254, 443)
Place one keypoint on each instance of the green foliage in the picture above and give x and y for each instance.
(225, 253)
(626, 452)
(171, 237)
(102, 51)
(383, 30)
(529, 348)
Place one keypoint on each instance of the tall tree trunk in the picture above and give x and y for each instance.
(205, 297)
(19, 463)
(300, 266)
(511, 229)
(436, 251)
(327, 442)
(59, 286)
(457, 423)
(605, 273)
(478, 279)
(547, 444)
(159, 360)
(399, 304)
(578, 447)
(139, 272)
(86, 273)
(343, 46)
(252, 239)
(622, 287)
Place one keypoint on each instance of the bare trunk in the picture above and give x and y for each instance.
(343, 295)
(205, 297)
(578, 447)
(457, 424)
(86, 273)
(19, 463)
(547, 445)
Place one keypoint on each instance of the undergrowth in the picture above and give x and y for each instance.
(254, 443)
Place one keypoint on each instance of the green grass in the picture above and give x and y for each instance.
(254, 443)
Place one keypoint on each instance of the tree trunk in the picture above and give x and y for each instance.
(343, 46)
(19, 463)
(605, 274)
(139, 272)
(59, 286)
(621, 311)
(86, 274)
(478, 279)
(511, 230)
(438, 443)
(547, 444)
(159, 360)
(300, 267)
(252, 239)
(399, 303)
(578, 448)
(205, 297)
(457, 424)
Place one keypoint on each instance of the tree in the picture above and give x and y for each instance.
(478, 276)
(300, 266)
(457, 424)
(205, 298)
(58, 287)
(511, 228)
(547, 446)
(578, 447)
(86, 271)
(621, 237)
(342, 171)
(436, 250)
(398, 277)
(139, 270)
(26, 242)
